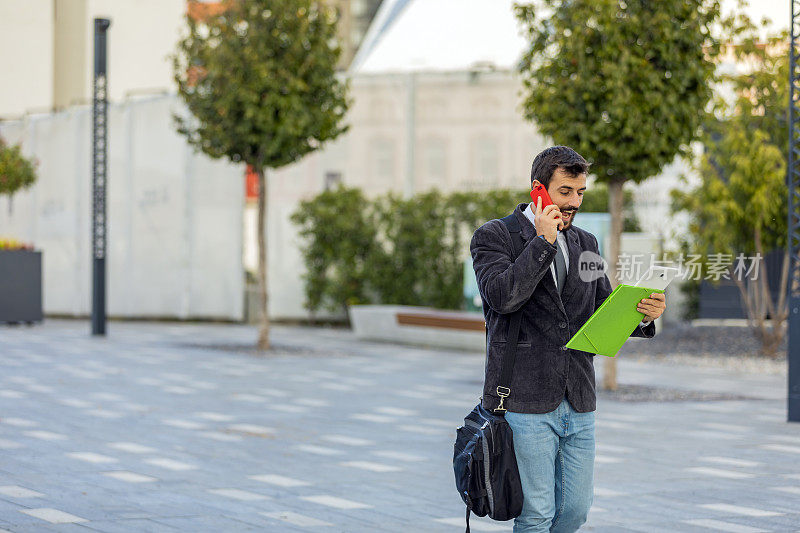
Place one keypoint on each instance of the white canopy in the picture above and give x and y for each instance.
(440, 35)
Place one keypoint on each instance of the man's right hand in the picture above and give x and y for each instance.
(547, 221)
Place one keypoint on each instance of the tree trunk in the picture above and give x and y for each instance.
(778, 313)
(758, 303)
(263, 332)
(615, 208)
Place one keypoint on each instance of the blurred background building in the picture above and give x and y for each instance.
(436, 104)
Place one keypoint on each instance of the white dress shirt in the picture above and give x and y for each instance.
(560, 239)
(562, 242)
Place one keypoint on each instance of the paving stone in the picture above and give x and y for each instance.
(54, 516)
(205, 438)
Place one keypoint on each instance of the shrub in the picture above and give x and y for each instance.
(16, 172)
(394, 250)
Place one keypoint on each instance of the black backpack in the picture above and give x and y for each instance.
(484, 462)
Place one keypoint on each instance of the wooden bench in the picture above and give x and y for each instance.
(441, 319)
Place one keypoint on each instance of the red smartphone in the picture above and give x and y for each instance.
(540, 192)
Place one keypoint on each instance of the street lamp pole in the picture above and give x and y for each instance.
(99, 166)
(793, 244)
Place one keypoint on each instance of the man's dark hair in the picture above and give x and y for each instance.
(562, 157)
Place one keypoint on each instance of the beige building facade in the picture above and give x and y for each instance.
(48, 51)
(26, 56)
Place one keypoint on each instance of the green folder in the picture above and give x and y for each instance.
(611, 325)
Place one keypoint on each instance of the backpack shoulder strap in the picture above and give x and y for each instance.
(509, 357)
(517, 243)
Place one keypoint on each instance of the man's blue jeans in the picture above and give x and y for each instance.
(555, 455)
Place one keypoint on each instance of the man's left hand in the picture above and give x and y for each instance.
(652, 307)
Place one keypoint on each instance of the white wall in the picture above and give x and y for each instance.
(175, 217)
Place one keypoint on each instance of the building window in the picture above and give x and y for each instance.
(383, 110)
(434, 163)
(332, 180)
(487, 108)
(484, 162)
(382, 159)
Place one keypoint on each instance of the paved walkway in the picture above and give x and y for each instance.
(148, 431)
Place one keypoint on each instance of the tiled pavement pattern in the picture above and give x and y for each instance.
(144, 431)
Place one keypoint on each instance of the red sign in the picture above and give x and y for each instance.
(251, 185)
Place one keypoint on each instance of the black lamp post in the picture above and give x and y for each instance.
(99, 167)
(793, 182)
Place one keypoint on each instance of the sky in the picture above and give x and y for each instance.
(455, 34)
(779, 11)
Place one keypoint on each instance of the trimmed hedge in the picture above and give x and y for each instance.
(393, 250)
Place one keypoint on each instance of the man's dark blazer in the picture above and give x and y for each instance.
(545, 369)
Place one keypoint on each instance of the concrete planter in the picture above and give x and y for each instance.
(20, 286)
(421, 326)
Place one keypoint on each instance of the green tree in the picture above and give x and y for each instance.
(16, 171)
(260, 82)
(625, 83)
(740, 206)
